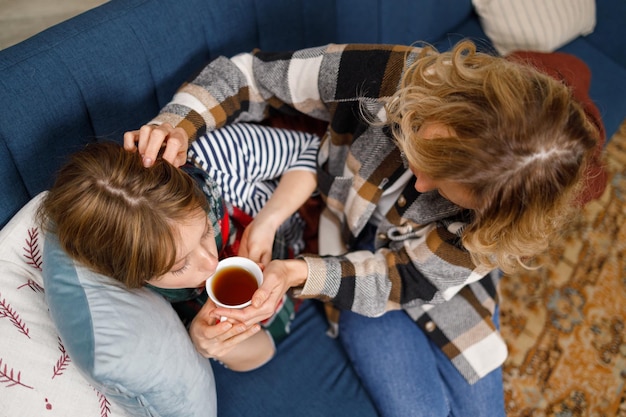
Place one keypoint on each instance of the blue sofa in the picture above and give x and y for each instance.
(112, 68)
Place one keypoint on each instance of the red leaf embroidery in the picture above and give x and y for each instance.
(7, 376)
(105, 405)
(31, 251)
(63, 361)
(6, 311)
(32, 285)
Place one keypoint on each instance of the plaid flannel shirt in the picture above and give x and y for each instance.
(419, 264)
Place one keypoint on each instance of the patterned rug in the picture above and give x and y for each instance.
(564, 323)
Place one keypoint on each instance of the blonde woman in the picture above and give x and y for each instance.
(439, 168)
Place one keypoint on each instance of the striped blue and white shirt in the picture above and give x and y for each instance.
(247, 160)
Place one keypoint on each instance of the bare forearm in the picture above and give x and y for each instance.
(251, 353)
(293, 190)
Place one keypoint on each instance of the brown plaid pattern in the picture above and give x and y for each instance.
(419, 264)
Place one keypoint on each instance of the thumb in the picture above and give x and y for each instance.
(266, 257)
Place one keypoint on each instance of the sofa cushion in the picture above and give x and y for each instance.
(398, 22)
(608, 83)
(37, 375)
(542, 26)
(608, 35)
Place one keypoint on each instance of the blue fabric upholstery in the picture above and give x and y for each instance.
(110, 69)
(608, 35)
(399, 21)
(606, 91)
(309, 377)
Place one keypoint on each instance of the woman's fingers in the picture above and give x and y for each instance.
(214, 339)
(150, 140)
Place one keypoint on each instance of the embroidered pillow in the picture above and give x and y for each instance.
(37, 375)
(543, 26)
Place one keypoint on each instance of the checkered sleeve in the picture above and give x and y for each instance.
(426, 269)
(312, 81)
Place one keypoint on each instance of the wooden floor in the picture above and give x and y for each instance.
(21, 19)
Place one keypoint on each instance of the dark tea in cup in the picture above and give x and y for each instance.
(234, 285)
(234, 282)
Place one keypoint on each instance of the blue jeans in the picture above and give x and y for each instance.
(407, 375)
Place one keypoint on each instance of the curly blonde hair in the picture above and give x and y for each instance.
(520, 145)
(115, 216)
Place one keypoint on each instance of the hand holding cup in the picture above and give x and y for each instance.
(234, 282)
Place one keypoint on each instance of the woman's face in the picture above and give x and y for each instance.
(450, 190)
(196, 255)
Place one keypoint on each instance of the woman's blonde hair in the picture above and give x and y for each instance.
(520, 144)
(117, 217)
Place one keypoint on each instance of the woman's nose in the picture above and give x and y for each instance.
(424, 183)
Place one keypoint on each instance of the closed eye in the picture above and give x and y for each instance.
(181, 270)
(207, 233)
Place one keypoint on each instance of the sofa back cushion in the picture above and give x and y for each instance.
(112, 68)
(402, 22)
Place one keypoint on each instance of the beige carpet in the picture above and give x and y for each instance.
(564, 324)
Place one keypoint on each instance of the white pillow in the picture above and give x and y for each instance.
(37, 376)
(535, 25)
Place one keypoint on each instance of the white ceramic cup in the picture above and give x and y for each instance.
(221, 274)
